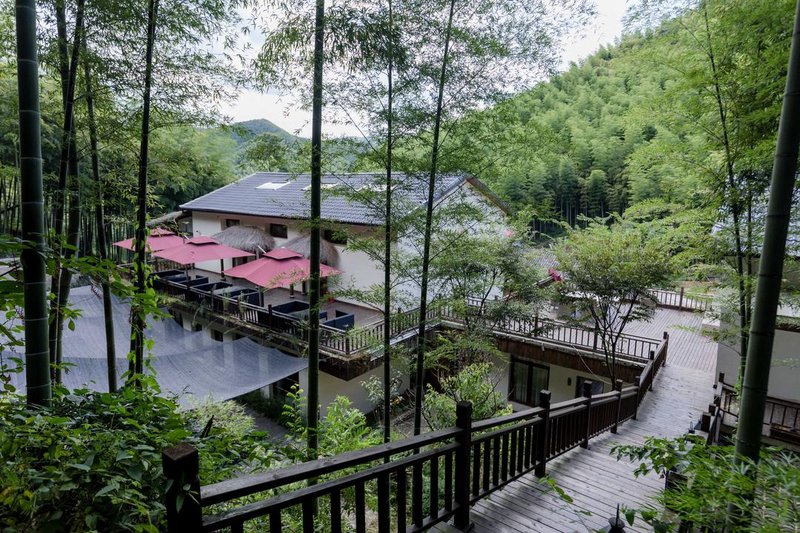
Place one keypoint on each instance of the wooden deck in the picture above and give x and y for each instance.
(363, 315)
(593, 478)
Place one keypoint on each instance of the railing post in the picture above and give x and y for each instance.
(269, 315)
(652, 358)
(181, 466)
(638, 383)
(594, 345)
(587, 393)
(705, 422)
(543, 436)
(347, 344)
(618, 388)
(666, 348)
(680, 302)
(464, 440)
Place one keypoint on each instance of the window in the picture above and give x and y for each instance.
(231, 222)
(278, 230)
(217, 335)
(597, 386)
(526, 380)
(335, 236)
(272, 185)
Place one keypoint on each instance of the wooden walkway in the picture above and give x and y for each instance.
(595, 480)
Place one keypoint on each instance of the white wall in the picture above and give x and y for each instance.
(561, 382)
(330, 387)
(359, 271)
(784, 376)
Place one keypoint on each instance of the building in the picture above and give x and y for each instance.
(352, 208)
(278, 203)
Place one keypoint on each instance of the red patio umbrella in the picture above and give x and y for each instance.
(279, 268)
(199, 249)
(159, 239)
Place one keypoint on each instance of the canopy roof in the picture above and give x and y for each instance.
(199, 249)
(278, 268)
(328, 253)
(159, 239)
(246, 238)
(186, 362)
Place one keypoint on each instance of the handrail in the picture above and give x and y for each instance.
(233, 488)
(346, 343)
(682, 301)
(476, 458)
(780, 415)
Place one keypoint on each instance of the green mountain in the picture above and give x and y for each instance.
(640, 120)
(242, 132)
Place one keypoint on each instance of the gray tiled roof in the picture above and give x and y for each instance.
(243, 197)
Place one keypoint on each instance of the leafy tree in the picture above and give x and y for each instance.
(136, 363)
(475, 384)
(610, 271)
(464, 57)
(266, 152)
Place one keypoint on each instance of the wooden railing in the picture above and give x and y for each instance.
(629, 347)
(781, 417)
(370, 336)
(332, 340)
(417, 482)
(681, 301)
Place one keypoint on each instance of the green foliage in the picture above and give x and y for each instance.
(611, 267)
(640, 119)
(343, 429)
(92, 461)
(188, 163)
(767, 494)
(474, 383)
(228, 417)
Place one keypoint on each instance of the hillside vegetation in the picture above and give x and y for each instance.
(641, 119)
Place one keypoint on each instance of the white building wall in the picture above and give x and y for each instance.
(561, 382)
(330, 387)
(784, 376)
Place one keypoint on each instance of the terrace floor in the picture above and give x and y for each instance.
(363, 315)
(595, 480)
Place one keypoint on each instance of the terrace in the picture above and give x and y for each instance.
(351, 335)
(483, 473)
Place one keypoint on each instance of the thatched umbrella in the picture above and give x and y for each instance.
(246, 238)
(328, 254)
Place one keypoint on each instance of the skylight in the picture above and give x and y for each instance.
(272, 185)
(325, 186)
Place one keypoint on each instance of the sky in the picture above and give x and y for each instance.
(282, 110)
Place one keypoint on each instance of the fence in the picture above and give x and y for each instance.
(418, 482)
(682, 301)
(370, 336)
(629, 347)
(781, 417)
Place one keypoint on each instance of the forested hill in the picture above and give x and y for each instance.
(246, 130)
(640, 120)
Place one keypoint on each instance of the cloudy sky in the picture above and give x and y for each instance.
(606, 27)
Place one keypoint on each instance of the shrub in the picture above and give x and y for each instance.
(764, 497)
(92, 461)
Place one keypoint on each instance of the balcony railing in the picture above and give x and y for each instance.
(416, 482)
(781, 417)
(681, 301)
(362, 339)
